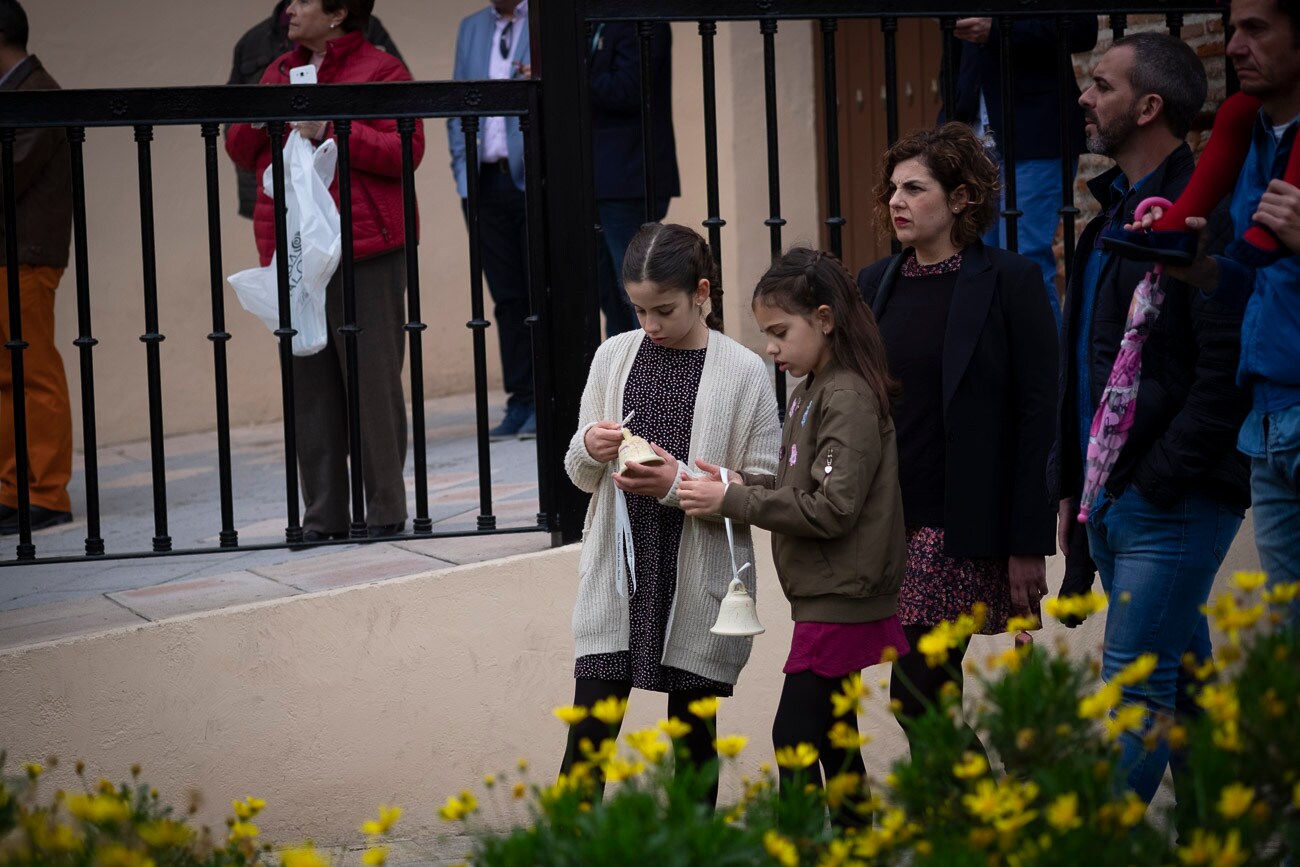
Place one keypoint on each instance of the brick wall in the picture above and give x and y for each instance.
(1205, 34)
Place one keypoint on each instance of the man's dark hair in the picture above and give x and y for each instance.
(1169, 68)
(1291, 9)
(13, 24)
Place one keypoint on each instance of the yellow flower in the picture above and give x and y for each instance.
(1282, 594)
(569, 715)
(248, 808)
(850, 700)
(1022, 624)
(984, 802)
(1249, 580)
(1063, 813)
(489, 780)
(1100, 703)
(1235, 799)
(1014, 821)
(1206, 848)
(1132, 810)
(704, 708)
(98, 809)
(1136, 671)
(375, 856)
(1220, 702)
(1227, 737)
(117, 855)
(796, 758)
(241, 830)
(518, 791)
(457, 809)
(33, 770)
(972, 765)
(936, 643)
(846, 737)
(164, 834)
(1065, 607)
(596, 755)
(1177, 737)
(889, 654)
(522, 764)
(617, 770)
(674, 728)
(731, 745)
(781, 849)
(302, 856)
(1129, 718)
(840, 787)
(387, 817)
(648, 743)
(610, 710)
(1231, 618)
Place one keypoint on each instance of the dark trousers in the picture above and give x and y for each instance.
(697, 744)
(805, 715)
(503, 244)
(915, 685)
(321, 402)
(619, 221)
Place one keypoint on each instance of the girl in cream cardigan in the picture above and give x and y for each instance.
(651, 579)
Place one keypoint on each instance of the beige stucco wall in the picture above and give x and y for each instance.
(176, 44)
(401, 692)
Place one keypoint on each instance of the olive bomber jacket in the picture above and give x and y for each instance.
(834, 506)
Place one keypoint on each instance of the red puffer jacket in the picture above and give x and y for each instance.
(376, 148)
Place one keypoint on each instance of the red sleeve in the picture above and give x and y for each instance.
(376, 146)
(245, 144)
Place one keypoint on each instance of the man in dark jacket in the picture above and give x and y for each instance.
(619, 152)
(1036, 102)
(1177, 494)
(43, 194)
(253, 54)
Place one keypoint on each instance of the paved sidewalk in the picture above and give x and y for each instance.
(44, 602)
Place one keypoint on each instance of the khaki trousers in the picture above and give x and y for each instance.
(49, 413)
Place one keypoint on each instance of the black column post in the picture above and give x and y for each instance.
(573, 326)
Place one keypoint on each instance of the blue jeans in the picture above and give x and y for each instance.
(1157, 566)
(1273, 442)
(1038, 196)
(619, 219)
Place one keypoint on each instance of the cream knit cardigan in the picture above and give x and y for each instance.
(735, 426)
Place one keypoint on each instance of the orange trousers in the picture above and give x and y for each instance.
(49, 413)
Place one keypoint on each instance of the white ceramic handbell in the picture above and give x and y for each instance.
(737, 615)
(635, 448)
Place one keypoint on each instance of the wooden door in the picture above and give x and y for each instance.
(860, 91)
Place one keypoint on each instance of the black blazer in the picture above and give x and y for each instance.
(999, 402)
(1035, 49)
(615, 87)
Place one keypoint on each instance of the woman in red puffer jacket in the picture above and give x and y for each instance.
(329, 35)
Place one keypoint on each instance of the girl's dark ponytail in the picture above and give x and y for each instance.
(674, 257)
(803, 280)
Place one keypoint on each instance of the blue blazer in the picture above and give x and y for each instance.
(474, 42)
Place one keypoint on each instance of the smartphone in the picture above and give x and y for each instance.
(303, 74)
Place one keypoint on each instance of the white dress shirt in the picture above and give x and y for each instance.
(494, 145)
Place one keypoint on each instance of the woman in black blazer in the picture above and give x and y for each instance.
(972, 340)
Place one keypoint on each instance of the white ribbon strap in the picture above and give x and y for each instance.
(731, 539)
(626, 550)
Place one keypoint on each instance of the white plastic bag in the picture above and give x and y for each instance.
(312, 224)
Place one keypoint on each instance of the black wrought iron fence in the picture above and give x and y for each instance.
(209, 108)
(567, 123)
(555, 112)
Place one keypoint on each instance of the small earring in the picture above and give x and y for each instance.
(333, 24)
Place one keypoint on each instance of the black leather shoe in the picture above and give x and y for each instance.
(42, 519)
(317, 536)
(376, 531)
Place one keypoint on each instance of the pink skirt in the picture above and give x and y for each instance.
(838, 649)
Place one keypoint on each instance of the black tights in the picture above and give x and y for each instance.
(697, 744)
(805, 715)
(915, 685)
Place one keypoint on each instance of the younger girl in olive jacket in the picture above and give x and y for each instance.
(834, 506)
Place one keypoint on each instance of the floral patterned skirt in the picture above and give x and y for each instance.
(937, 587)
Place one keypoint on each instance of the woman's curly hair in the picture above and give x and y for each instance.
(955, 157)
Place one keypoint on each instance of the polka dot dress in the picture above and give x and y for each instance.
(661, 388)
